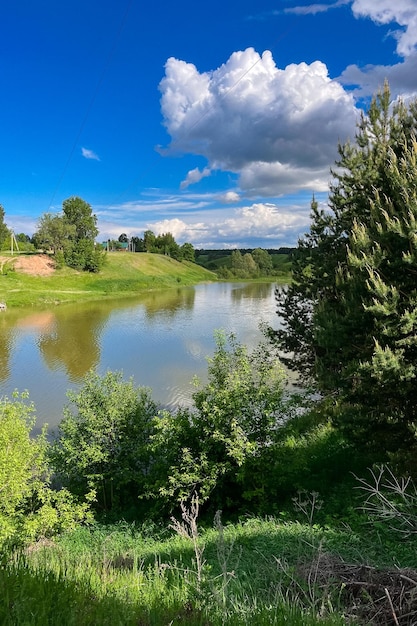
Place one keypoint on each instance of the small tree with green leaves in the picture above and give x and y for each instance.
(85, 255)
(149, 240)
(82, 253)
(188, 252)
(102, 441)
(237, 263)
(166, 244)
(263, 260)
(80, 214)
(54, 232)
(235, 416)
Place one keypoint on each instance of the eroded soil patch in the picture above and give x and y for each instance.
(34, 264)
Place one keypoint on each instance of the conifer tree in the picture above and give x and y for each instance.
(350, 316)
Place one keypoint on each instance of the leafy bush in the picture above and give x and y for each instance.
(84, 255)
(234, 419)
(103, 445)
(245, 445)
(29, 507)
(59, 259)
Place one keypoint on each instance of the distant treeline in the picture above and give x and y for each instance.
(246, 262)
(215, 254)
(242, 263)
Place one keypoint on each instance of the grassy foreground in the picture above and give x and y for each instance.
(256, 572)
(124, 273)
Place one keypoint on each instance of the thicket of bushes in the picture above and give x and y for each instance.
(246, 446)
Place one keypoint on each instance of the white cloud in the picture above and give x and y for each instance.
(248, 115)
(264, 178)
(263, 221)
(313, 9)
(247, 226)
(402, 78)
(194, 176)
(22, 224)
(179, 229)
(401, 12)
(229, 197)
(89, 154)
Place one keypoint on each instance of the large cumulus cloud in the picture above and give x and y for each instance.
(277, 128)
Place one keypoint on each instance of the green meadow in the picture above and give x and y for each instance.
(123, 273)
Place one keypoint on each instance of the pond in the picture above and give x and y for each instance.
(159, 338)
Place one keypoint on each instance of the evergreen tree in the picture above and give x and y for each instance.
(350, 315)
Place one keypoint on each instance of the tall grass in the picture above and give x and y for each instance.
(253, 572)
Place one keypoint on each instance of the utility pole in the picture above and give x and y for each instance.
(13, 241)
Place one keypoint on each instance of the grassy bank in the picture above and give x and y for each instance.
(254, 572)
(124, 273)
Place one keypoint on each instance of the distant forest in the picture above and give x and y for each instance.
(246, 262)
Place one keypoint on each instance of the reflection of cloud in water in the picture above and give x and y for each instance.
(11, 326)
(195, 349)
(179, 397)
(7, 343)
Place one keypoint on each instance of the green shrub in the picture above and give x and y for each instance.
(29, 507)
(84, 255)
(103, 445)
(234, 419)
(59, 259)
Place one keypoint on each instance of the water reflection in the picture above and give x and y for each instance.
(6, 346)
(252, 290)
(167, 303)
(161, 339)
(72, 342)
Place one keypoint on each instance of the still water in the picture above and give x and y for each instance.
(161, 339)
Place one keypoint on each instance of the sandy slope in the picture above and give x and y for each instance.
(35, 264)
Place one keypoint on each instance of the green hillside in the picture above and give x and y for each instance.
(124, 273)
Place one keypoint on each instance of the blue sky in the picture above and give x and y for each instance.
(213, 121)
